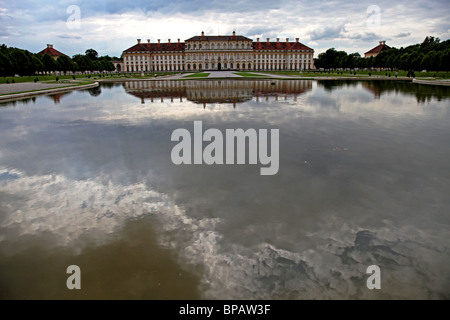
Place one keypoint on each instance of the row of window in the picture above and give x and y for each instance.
(222, 55)
(140, 58)
(244, 55)
(195, 67)
(222, 66)
(218, 46)
(182, 62)
(200, 66)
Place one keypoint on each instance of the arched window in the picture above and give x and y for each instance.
(200, 66)
(231, 65)
(225, 65)
(242, 46)
(195, 46)
(207, 46)
(237, 65)
(249, 66)
(195, 67)
(188, 67)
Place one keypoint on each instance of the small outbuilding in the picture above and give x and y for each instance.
(375, 51)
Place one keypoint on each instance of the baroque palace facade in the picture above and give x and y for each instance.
(218, 53)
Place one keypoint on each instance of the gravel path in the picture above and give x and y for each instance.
(222, 74)
(229, 74)
(27, 86)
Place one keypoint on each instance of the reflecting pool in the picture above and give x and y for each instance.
(86, 179)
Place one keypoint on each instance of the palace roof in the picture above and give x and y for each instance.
(151, 47)
(279, 46)
(180, 46)
(219, 38)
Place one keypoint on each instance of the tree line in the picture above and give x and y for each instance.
(25, 63)
(431, 55)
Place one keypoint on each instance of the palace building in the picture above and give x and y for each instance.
(231, 52)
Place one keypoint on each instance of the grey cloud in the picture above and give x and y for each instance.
(328, 33)
(259, 30)
(402, 35)
(356, 36)
(370, 36)
(366, 36)
(4, 33)
(65, 36)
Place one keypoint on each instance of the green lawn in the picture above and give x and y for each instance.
(42, 78)
(198, 75)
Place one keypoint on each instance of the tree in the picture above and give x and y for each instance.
(105, 65)
(430, 40)
(445, 60)
(416, 61)
(431, 60)
(405, 61)
(83, 62)
(5, 65)
(37, 62)
(65, 64)
(91, 54)
(49, 63)
(23, 62)
(331, 59)
(431, 54)
(352, 58)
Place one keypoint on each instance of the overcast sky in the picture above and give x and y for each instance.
(111, 26)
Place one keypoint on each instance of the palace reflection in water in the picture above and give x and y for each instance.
(217, 91)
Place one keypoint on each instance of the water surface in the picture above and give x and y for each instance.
(86, 178)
